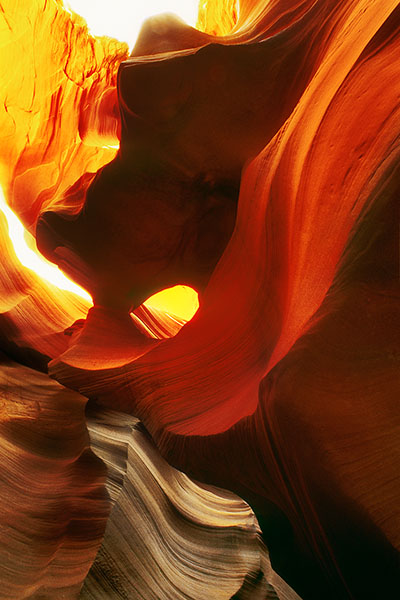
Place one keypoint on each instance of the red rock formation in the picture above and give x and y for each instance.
(53, 504)
(283, 386)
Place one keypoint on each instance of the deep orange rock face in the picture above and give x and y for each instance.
(261, 168)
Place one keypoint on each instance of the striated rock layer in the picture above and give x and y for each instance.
(289, 371)
(53, 503)
(51, 71)
(57, 97)
(167, 537)
(262, 168)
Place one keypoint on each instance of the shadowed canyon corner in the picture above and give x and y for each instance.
(199, 302)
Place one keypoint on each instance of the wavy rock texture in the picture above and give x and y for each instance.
(59, 124)
(261, 168)
(306, 257)
(44, 116)
(53, 504)
(51, 71)
(168, 537)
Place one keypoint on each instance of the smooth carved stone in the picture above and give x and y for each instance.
(68, 76)
(284, 386)
(168, 537)
(53, 501)
(163, 211)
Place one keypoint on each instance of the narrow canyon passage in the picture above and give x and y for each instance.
(237, 438)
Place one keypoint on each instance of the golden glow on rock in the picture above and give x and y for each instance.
(20, 121)
(122, 19)
(218, 17)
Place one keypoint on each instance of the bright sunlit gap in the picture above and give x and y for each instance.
(181, 301)
(33, 260)
(122, 19)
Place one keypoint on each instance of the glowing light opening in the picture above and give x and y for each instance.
(122, 19)
(31, 259)
(181, 301)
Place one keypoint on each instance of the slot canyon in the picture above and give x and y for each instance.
(199, 303)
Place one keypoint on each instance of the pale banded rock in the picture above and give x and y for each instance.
(169, 538)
